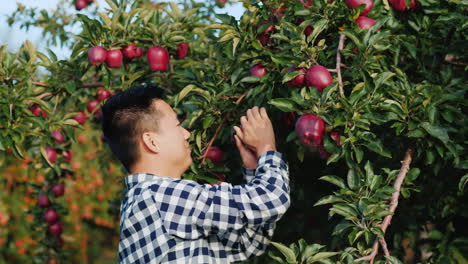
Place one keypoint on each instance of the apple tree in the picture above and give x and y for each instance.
(368, 99)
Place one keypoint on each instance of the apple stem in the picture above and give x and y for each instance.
(218, 129)
(338, 64)
(393, 205)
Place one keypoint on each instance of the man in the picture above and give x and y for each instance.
(165, 219)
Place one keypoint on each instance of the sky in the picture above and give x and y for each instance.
(14, 36)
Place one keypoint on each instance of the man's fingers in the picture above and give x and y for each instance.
(256, 113)
(250, 116)
(239, 132)
(244, 122)
(263, 113)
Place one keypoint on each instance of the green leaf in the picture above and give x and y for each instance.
(320, 256)
(369, 172)
(383, 78)
(251, 79)
(412, 174)
(309, 251)
(186, 90)
(376, 182)
(287, 252)
(284, 104)
(328, 199)
(377, 231)
(334, 180)
(359, 154)
(463, 182)
(345, 210)
(291, 75)
(353, 179)
(376, 146)
(436, 131)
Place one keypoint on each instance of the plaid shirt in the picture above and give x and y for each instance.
(167, 220)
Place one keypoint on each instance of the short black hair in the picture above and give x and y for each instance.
(125, 116)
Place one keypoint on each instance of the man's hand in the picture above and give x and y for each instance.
(256, 131)
(248, 157)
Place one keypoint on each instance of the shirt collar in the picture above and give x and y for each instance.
(134, 179)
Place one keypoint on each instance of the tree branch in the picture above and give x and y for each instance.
(338, 64)
(393, 205)
(383, 243)
(218, 129)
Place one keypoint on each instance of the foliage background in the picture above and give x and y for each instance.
(401, 93)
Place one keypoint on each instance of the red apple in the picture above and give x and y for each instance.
(310, 129)
(129, 51)
(80, 117)
(365, 22)
(43, 200)
(318, 77)
(336, 137)
(308, 30)
(89, 1)
(264, 38)
(278, 13)
(215, 154)
(114, 58)
(67, 155)
(182, 51)
(58, 137)
(138, 52)
(258, 70)
(97, 55)
(221, 3)
(80, 4)
(354, 3)
(92, 105)
(103, 94)
(51, 154)
(50, 216)
(298, 81)
(56, 229)
(400, 5)
(37, 111)
(58, 190)
(307, 3)
(158, 58)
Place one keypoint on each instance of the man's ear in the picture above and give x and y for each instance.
(150, 141)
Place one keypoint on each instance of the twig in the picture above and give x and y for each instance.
(218, 129)
(383, 243)
(393, 205)
(332, 70)
(338, 64)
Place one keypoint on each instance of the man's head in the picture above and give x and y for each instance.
(144, 133)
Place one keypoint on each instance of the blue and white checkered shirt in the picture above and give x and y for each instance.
(167, 220)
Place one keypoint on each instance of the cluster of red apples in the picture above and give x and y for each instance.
(80, 117)
(157, 56)
(50, 215)
(366, 22)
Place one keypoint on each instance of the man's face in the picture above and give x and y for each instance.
(172, 138)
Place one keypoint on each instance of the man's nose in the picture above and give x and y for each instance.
(187, 133)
